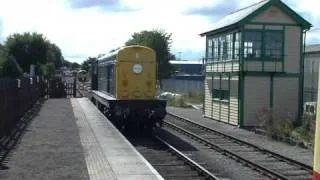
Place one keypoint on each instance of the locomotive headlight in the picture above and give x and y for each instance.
(137, 68)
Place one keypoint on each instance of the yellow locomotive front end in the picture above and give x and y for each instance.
(127, 88)
(136, 73)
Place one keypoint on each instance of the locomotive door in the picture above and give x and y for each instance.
(110, 77)
(94, 76)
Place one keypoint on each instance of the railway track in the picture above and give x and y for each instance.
(168, 161)
(266, 162)
(82, 90)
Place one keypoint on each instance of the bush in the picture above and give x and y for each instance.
(182, 100)
(173, 99)
(274, 124)
(9, 67)
(194, 97)
(277, 126)
(305, 132)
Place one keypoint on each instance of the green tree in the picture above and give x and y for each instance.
(50, 68)
(54, 55)
(28, 48)
(87, 63)
(159, 41)
(41, 69)
(85, 66)
(75, 65)
(33, 48)
(66, 63)
(9, 66)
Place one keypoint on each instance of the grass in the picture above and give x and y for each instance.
(280, 127)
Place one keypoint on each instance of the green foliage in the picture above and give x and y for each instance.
(194, 98)
(176, 101)
(274, 124)
(159, 41)
(41, 69)
(28, 49)
(87, 63)
(54, 55)
(66, 63)
(284, 127)
(33, 48)
(50, 68)
(306, 130)
(9, 67)
(75, 65)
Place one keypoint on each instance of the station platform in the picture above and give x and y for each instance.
(293, 152)
(72, 139)
(108, 154)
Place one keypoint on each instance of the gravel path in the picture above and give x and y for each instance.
(50, 147)
(294, 152)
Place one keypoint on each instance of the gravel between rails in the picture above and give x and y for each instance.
(50, 147)
(293, 152)
(169, 165)
(215, 162)
(282, 169)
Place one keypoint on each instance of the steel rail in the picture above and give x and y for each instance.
(276, 155)
(262, 169)
(190, 162)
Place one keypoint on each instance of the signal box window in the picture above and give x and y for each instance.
(252, 45)
(273, 45)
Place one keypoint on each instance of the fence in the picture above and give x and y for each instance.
(184, 84)
(310, 95)
(16, 98)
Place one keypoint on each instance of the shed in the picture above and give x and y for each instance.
(311, 72)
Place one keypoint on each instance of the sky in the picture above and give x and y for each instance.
(83, 28)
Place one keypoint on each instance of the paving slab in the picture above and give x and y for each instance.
(50, 147)
(108, 154)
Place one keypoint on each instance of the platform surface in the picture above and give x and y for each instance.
(108, 153)
(48, 147)
(70, 139)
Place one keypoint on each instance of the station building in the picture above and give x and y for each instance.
(254, 61)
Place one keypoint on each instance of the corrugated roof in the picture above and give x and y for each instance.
(238, 15)
(312, 48)
(244, 13)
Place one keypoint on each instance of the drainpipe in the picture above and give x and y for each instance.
(312, 82)
(302, 73)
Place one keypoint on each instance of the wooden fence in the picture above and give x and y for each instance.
(16, 97)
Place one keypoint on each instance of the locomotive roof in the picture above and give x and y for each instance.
(113, 53)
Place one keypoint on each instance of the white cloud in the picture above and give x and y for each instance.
(90, 31)
(309, 6)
